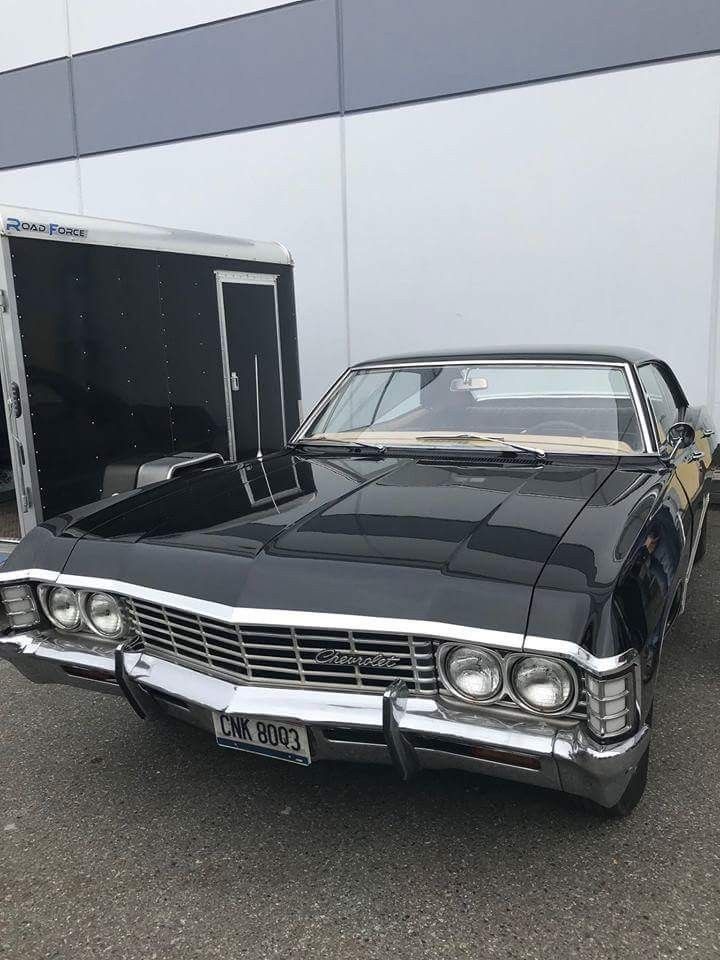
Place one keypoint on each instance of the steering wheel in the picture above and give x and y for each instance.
(550, 428)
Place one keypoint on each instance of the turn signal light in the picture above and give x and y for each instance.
(20, 606)
(610, 705)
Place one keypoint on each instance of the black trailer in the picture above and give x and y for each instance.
(124, 344)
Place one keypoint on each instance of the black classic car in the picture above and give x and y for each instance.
(458, 561)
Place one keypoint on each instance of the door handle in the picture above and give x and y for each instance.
(234, 381)
(14, 402)
(696, 455)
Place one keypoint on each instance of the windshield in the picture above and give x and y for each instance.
(566, 408)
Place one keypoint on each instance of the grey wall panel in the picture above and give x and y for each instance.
(265, 68)
(281, 64)
(36, 114)
(416, 49)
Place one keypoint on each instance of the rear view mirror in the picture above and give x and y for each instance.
(468, 383)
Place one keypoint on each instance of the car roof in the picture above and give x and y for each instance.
(603, 354)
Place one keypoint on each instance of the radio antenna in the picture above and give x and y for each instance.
(257, 408)
(259, 454)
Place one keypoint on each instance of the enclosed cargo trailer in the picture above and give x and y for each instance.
(124, 343)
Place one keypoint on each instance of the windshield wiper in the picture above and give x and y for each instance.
(358, 445)
(482, 436)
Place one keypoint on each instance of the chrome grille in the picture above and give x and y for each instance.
(280, 654)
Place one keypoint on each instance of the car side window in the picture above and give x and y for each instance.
(660, 395)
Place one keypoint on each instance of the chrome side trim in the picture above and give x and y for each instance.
(583, 658)
(489, 361)
(31, 573)
(254, 616)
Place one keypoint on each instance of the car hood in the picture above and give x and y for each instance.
(425, 539)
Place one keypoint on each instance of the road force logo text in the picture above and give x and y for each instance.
(49, 229)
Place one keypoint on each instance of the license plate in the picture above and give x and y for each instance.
(271, 738)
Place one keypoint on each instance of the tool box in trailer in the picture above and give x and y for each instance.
(124, 344)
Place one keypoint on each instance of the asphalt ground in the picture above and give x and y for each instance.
(128, 840)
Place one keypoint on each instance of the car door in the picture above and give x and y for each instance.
(669, 406)
(692, 465)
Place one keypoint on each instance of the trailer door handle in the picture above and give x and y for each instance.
(234, 381)
(14, 402)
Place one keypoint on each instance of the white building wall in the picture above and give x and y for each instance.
(581, 210)
(47, 186)
(32, 31)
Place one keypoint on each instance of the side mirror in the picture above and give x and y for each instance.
(680, 436)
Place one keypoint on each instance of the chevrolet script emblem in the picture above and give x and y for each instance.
(341, 658)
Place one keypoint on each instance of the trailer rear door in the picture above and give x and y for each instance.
(252, 362)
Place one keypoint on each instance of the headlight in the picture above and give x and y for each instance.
(104, 614)
(473, 673)
(543, 685)
(63, 608)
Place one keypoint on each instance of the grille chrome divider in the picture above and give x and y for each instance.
(204, 641)
(243, 651)
(298, 657)
(170, 632)
(351, 637)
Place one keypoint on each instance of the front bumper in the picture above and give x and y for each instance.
(408, 731)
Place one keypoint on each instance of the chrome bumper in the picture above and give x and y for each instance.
(408, 731)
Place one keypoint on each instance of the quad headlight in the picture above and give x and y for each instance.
(73, 610)
(63, 608)
(103, 613)
(541, 684)
(473, 673)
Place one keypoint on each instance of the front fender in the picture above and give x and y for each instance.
(610, 582)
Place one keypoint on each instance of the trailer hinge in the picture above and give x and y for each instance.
(3, 302)
(26, 499)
